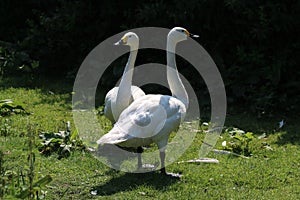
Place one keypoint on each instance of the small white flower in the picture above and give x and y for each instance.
(94, 192)
(224, 143)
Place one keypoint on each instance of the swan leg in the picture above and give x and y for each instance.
(163, 168)
(162, 155)
(143, 167)
(140, 151)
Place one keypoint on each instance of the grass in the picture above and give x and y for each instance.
(271, 172)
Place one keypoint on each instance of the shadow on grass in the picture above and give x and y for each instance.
(58, 85)
(121, 181)
(290, 135)
(131, 181)
(290, 132)
(52, 89)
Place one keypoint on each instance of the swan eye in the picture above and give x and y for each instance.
(130, 36)
(180, 30)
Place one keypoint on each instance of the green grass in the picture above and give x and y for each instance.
(267, 174)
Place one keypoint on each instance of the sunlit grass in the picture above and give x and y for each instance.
(269, 173)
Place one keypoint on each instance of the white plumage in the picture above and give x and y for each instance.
(151, 118)
(147, 120)
(119, 98)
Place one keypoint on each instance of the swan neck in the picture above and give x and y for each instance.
(176, 86)
(124, 92)
(128, 71)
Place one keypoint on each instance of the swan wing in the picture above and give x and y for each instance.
(115, 136)
(148, 119)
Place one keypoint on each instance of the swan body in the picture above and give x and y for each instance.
(119, 98)
(151, 118)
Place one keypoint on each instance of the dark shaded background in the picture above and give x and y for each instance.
(255, 44)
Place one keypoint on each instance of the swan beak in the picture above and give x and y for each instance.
(122, 41)
(190, 34)
(118, 43)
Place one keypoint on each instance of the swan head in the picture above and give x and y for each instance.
(131, 39)
(179, 34)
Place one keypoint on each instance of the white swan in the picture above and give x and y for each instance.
(151, 118)
(119, 98)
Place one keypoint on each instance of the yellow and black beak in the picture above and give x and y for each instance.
(122, 41)
(190, 34)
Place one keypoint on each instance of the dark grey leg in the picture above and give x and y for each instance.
(139, 151)
(162, 161)
(163, 168)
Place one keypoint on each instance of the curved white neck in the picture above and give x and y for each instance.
(176, 86)
(124, 91)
